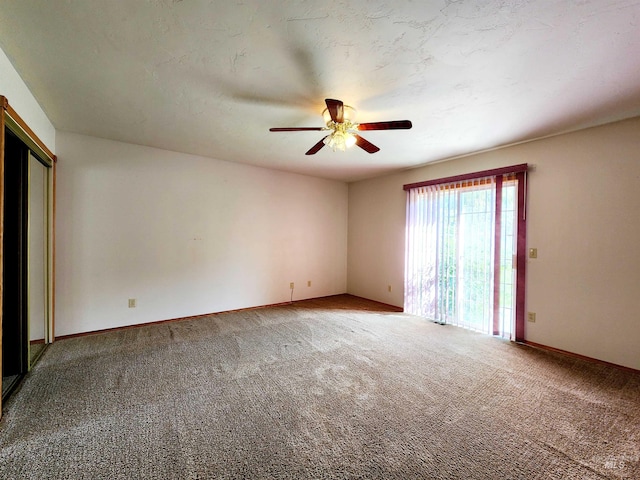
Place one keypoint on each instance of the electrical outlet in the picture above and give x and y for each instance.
(309, 283)
(533, 253)
(291, 285)
(531, 317)
(132, 303)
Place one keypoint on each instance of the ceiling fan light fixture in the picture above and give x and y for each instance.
(350, 140)
(339, 120)
(340, 140)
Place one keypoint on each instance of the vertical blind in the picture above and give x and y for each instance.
(461, 241)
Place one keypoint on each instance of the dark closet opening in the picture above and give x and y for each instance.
(15, 336)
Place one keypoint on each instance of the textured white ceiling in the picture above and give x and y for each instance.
(211, 77)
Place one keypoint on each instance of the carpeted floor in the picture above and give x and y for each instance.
(329, 388)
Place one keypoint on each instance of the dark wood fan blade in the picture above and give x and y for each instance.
(394, 125)
(336, 109)
(298, 129)
(316, 148)
(365, 144)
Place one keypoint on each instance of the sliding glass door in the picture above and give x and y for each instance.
(461, 253)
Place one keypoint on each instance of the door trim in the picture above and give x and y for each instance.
(10, 119)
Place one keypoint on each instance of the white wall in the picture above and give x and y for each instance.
(24, 103)
(186, 235)
(583, 204)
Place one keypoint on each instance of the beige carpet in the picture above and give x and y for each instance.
(331, 388)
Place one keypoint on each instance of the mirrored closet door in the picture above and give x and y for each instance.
(26, 257)
(37, 258)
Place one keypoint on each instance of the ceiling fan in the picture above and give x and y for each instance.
(338, 118)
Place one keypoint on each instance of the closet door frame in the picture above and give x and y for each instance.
(10, 120)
